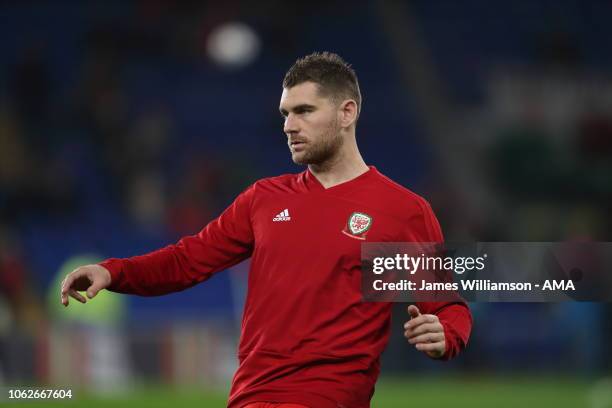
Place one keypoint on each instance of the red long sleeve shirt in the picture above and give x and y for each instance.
(307, 336)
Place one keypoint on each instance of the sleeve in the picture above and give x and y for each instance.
(224, 242)
(455, 317)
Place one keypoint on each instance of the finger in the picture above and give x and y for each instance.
(427, 338)
(424, 328)
(95, 287)
(413, 311)
(77, 296)
(417, 321)
(64, 291)
(438, 346)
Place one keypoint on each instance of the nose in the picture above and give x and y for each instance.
(291, 125)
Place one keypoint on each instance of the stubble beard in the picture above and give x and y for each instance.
(324, 150)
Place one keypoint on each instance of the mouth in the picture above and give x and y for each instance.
(296, 144)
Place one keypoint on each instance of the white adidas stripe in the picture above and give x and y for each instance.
(284, 213)
(282, 216)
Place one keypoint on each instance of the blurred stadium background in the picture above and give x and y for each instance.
(125, 125)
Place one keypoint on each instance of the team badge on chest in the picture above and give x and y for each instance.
(358, 225)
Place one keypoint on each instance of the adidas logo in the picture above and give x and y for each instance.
(282, 216)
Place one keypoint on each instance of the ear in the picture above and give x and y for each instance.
(347, 112)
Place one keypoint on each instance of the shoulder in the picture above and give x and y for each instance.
(402, 196)
(283, 183)
(266, 188)
(412, 208)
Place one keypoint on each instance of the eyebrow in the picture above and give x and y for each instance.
(298, 108)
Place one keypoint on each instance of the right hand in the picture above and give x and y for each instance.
(91, 278)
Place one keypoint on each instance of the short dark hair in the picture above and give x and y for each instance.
(334, 76)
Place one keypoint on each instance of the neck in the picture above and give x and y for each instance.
(346, 165)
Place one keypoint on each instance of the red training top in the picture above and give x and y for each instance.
(307, 337)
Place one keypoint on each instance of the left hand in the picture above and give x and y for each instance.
(426, 333)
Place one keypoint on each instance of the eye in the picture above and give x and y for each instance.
(303, 111)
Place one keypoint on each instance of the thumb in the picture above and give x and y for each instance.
(95, 287)
(413, 311)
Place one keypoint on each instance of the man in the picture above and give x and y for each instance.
(307, 337)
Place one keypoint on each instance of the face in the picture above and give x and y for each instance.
(311, 124)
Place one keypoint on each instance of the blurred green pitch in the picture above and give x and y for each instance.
(391, 392)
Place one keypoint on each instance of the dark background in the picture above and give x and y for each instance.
(123, 129)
